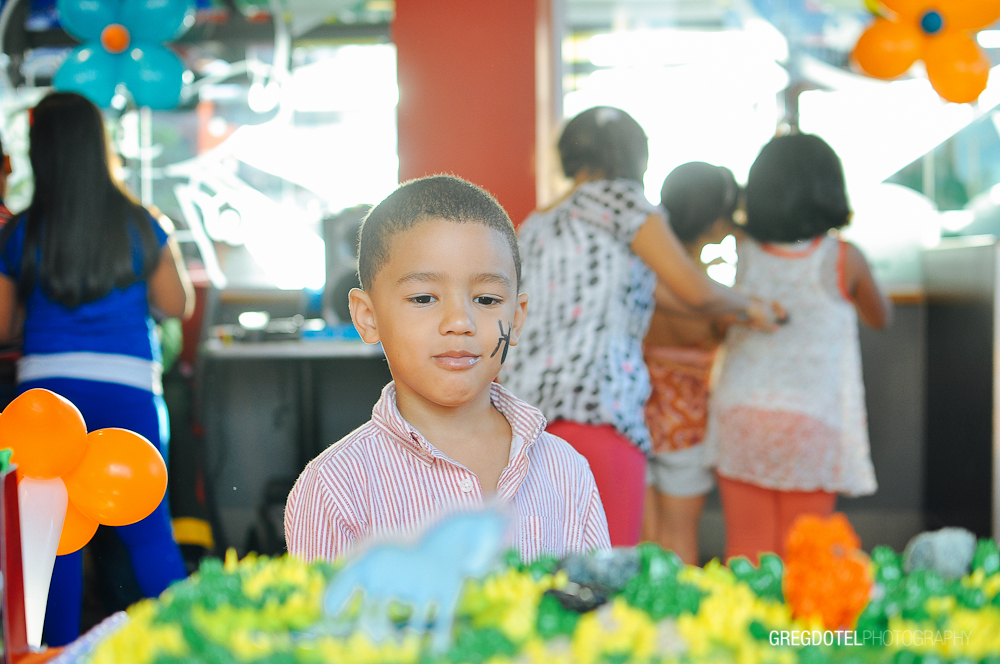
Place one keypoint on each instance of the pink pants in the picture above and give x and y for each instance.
(758, 519)
(619, 469)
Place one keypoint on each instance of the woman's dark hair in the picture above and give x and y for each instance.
(695, 195)
(607, 141)
(80, 226)
(795, 190)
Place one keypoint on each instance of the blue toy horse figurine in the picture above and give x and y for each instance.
(427, 573)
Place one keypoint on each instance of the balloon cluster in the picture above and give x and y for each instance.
(122, 43)
(111, 476)
(937, 32)
(826, 573)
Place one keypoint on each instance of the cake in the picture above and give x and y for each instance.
(627, 605)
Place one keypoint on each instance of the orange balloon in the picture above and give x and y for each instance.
(957, 68)
(46, 432)
(76, 531)
(887, 48)
(121, 479)
(959, 14)
(908, 8)
(115, 38)
(970, 14)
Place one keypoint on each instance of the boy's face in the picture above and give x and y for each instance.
(444, 305)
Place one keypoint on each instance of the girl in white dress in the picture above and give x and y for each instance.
(787, 425)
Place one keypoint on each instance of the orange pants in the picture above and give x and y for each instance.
(620, 473)
(758, 519)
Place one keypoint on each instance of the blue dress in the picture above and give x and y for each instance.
(104, 357)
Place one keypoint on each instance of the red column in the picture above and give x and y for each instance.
(475, 82)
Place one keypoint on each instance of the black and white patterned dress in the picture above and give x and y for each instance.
(589, 307)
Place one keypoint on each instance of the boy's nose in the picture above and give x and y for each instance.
(458, 319)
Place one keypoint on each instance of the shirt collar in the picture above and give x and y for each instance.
(526, 422)
(598, 187)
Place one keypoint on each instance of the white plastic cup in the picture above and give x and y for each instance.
(43, 510)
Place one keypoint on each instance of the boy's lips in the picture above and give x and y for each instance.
(456, 360)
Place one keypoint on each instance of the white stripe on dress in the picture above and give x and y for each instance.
(103, 367)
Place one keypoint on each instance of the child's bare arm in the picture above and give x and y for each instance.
(11, 312)
(681, 325)
(667, 302)
(874, 308)
(656, 244)
(169, 287)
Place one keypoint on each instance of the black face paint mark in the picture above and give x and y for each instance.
(504, 340)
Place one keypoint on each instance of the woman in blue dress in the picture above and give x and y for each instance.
(80, 270)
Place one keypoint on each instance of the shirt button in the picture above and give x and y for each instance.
(466, 485)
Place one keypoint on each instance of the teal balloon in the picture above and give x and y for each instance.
(85, 19)
(90, 71)
(153, 74)
(155, 20)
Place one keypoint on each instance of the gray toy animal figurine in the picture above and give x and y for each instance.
(947, 551)
(426, 573)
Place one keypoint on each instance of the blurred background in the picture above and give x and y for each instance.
(295, 115)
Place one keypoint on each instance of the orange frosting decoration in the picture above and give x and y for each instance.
(826, 574)
(115, 38)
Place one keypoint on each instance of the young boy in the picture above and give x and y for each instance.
(440, 274)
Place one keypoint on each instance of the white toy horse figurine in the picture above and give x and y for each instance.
(427, 573)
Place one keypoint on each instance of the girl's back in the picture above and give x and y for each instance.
(788, 410)
(116, 323)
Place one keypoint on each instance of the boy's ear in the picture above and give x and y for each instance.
(520, 315)
(363, 315)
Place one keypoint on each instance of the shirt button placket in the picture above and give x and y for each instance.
(466, 485)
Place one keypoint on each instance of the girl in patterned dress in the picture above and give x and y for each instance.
(590, 266)
(699, 200)
(787, 426)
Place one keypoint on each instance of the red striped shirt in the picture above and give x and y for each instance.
(385, 479)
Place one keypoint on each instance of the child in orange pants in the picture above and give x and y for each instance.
(787, 426)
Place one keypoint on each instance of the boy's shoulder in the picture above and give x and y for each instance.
(528, 423)
(553, 445)
(356, 451)
(559, 456)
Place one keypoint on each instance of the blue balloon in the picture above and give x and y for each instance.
(85, 19)
(90, 71)
(156, 20)
(153, 74)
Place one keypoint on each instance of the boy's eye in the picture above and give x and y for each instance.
(486, 300)
(421, 299)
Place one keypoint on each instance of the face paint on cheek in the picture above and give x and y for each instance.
(504, 341)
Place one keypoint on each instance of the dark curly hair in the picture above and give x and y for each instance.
(795, 190)
(607, 141)
(695, 194)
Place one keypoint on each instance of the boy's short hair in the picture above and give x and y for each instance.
(695, 195)
(435, 197)
(795, 190)
(607, 141)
